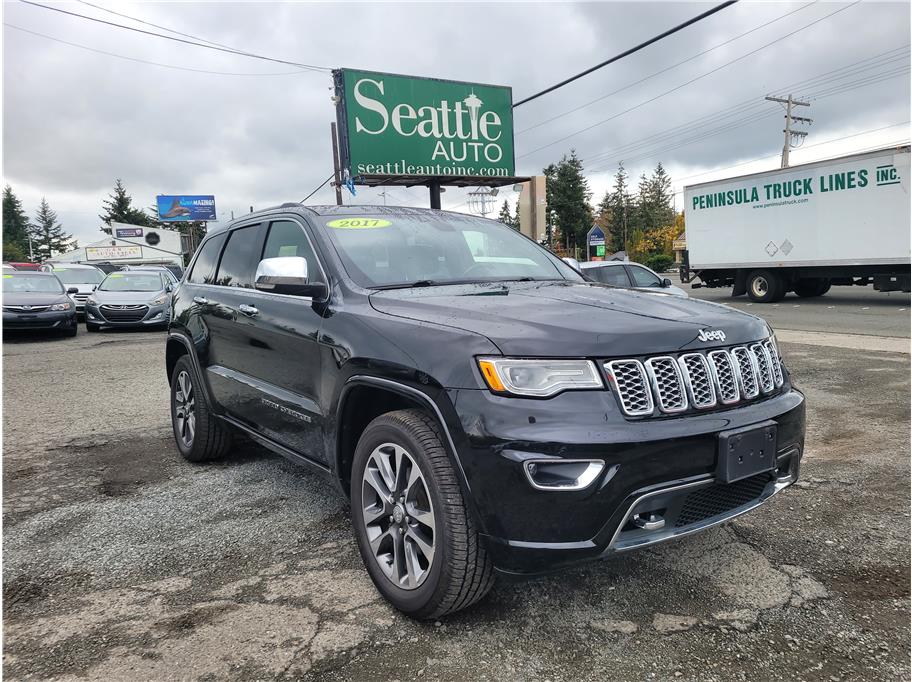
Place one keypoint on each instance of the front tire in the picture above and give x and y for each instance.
(765, 286)
(92, 327)
(417, 539)
(200, 437)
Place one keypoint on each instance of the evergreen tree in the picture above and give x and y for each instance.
(15, 228)
(617, 201)
(655, 201)
(506, 217)
(48, 236)
(567, 196)
(118, 208)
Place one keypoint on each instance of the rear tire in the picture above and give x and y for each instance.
(809, 288)
(199, 435)
(401, 515)
(765, 286)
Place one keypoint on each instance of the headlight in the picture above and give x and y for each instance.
(538, 378)
(91, 301)
(158, 301)
(69, 305)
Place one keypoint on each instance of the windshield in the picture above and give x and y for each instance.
(446, 248)
(138, 281)
(30, 283)
(79, 275)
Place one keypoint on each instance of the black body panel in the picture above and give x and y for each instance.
(285, 373)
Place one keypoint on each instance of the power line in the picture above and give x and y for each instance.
(745, 106)
(241, 53)
(816, 144)
(637, 48)
(682, 85)
(317, 188)
(163, 28)
(145, 61)
(856, 85)
(668, 68)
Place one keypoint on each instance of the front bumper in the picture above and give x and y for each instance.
(668, 463)
(147, 316)
(58, 319)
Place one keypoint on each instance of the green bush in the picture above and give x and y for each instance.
(658, 262)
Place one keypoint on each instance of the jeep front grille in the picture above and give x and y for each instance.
(695, 380)
(632, 387)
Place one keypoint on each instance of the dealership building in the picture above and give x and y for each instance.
(131, 245)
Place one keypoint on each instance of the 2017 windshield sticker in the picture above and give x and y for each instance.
(115, 276)
(358, 223)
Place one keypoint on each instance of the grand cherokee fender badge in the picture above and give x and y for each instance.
(711, 335)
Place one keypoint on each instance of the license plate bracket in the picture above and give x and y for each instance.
(746, 451)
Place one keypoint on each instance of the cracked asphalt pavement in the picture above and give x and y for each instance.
(123, 562)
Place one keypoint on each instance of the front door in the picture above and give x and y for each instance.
(275, 351)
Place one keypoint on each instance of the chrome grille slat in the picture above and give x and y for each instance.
(764, 369)
(746, 371)
(668, 384)
(775, 363)
(699, 380)
(632, 386)
(723, 370)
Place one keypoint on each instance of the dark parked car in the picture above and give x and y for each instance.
(483, 406)
(131, 298)
(37, 300)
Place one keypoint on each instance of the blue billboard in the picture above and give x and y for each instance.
(185, 207)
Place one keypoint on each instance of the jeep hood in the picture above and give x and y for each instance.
(572, 319)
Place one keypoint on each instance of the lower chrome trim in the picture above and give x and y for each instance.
(775, 486)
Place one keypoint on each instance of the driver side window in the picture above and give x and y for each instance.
(643, 278)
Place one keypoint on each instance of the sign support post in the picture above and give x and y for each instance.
(336, 173)
(434, 187)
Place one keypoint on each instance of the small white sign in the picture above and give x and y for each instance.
(113, 252)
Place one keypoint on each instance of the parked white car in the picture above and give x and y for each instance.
(76, 275)
(630, 275)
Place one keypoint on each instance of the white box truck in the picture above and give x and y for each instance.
(842, 221)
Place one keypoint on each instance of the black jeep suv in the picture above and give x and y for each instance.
(484, 406)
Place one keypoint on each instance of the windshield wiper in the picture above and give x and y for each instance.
(409, 285)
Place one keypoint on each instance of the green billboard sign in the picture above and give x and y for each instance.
(402, 126)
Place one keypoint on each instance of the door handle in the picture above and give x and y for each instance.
(200, 300)
(248, 309)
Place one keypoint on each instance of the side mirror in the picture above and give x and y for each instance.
(72, 290)
(169, 288)
(666, 283)
(573, 263)
(287, 275)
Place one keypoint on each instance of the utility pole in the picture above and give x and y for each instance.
(790, 102)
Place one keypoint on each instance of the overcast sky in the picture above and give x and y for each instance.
(74, 120)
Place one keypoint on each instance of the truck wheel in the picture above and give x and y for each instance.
(416, 537)
(764, 286)
(199, 435)
(807, 288)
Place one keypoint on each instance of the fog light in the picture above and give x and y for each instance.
(562, 474)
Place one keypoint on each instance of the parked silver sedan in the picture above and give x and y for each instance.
(130, 299)
(630, 275)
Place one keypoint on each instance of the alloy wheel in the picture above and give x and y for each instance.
(398, 516)
(184, 414)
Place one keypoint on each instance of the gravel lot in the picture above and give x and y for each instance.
(122, 562)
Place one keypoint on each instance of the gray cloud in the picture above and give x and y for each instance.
(74, 120)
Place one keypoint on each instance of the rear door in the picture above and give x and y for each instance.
(228, 327)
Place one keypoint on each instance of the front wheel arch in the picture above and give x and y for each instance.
(396, 396)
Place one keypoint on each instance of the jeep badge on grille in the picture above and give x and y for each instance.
(711, 335)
